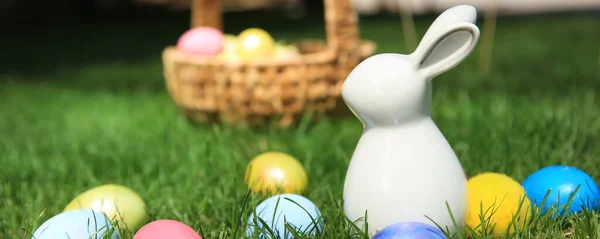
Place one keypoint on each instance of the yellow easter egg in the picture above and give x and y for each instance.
(275, 172)
(497, 198)
(255, 43)
(120, 204)
(231, 48)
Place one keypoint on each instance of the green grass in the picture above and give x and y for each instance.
(82, 106)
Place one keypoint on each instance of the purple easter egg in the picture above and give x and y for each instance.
(410, 230)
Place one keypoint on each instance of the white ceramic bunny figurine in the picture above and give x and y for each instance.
(403, 168)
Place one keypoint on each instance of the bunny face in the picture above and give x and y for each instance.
(387, 89)
(392, 89)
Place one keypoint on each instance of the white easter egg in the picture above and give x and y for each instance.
(76, 224)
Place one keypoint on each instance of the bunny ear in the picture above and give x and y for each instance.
(445, 48)
(453, 15)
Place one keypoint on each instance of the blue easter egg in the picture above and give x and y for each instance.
(76, 224)
(299, 213)
(562, 181)
(410, 230)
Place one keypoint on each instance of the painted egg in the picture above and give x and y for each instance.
(484, 191)
(560, 183)
(409, 230)
(275, 172)
(119, 203)
(165, 228)
(255, 43)
(231, 48)
(76, 224)
(201, 41)
(297, 211)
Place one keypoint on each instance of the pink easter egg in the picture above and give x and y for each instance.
(201, 41)
(165, 228)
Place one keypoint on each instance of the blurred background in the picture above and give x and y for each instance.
(71, 42)
(36, 11)
(83, 99)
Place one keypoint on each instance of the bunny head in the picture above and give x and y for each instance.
(391, 89)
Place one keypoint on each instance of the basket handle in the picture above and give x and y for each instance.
(341, 24)
(207, 13)
(341, 21)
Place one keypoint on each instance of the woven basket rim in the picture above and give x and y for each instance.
(364, 48)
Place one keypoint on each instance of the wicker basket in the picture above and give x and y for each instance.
(209, 89)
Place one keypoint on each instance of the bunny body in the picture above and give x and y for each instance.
(404, 174)
(403, 168)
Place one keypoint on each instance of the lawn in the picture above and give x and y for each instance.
(84, 105)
